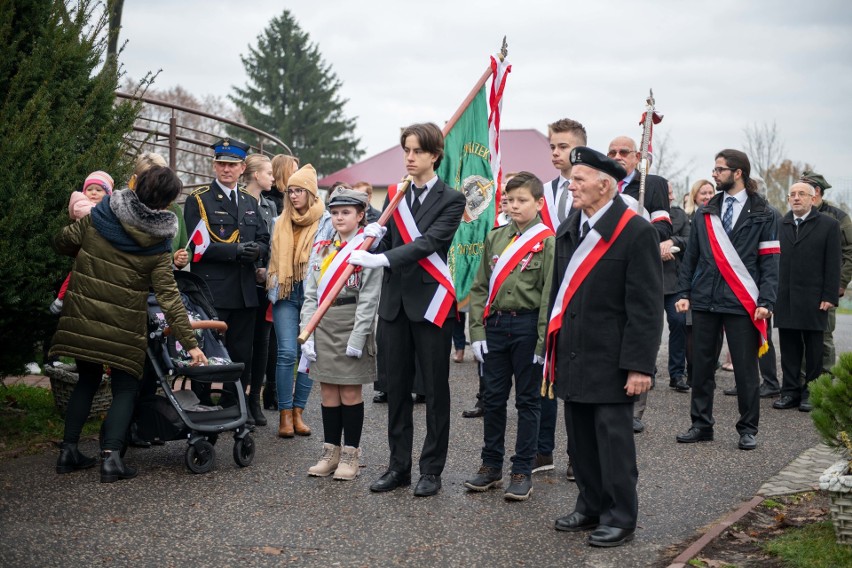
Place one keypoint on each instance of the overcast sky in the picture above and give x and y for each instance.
(715, 67)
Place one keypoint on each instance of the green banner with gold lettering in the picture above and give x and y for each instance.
(466, 167)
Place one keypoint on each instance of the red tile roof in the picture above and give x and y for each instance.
(526, 149)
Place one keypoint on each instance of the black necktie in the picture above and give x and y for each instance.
(798, 220)
(585, 233)
(234, 198)
(416, 192)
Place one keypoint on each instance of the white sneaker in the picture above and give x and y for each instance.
(33, 369)
(327, 462)
(350, 466)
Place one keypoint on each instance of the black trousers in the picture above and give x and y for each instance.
(403, 342)
(743, 342)
(239, 341)
(600, 440)
(381, 382)
(795, 345)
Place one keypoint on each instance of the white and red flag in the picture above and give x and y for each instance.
(200, 239)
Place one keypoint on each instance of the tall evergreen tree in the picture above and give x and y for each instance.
(292, 93)
(59, 120)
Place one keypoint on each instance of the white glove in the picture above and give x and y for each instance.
(368, 260)
(309, 351)
(538, 360)
(352, 352)
(480, 350)
(56, 307)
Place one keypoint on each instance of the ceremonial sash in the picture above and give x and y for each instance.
(338, 264)
(445, 295)
(584, 259)
(736, 274)
(549, 212)
(510, 258)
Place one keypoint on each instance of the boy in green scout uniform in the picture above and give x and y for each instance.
(508, 321)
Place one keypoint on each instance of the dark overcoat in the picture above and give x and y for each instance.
(614, 321)
(809, 272)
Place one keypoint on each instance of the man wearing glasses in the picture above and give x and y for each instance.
(238, 237)
(657, 208)
(729, 277)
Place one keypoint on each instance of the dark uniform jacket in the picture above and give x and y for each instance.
(809, 272)
(845, 221)
(656, 199)
(680, 238)
(231, 282)
(437, 219)
(700, 281)
(614, 321)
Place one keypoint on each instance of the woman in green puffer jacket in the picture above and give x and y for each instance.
(123, 249)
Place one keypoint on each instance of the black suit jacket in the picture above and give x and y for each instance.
(656, 199)
(809, 271)
(231, 282)
(406, 285)
(614, 321)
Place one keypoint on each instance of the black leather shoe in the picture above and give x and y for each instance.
(768, 392)
(786, 401)
(381, 398)
(747, 442)
(695, 435)
(679, 384)
(428, 485)
(475, 412)
(805, 405)
(638, 427)
(418, 398)
(731, 391)
(390, 481)
(113, 469)
(485, 479)
(609, 537)
(135, 440)
(70, 459)
(576, 522)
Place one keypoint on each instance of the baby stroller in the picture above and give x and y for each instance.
(178, 413)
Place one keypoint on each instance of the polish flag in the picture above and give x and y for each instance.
(201, 239)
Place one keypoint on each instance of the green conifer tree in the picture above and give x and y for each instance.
(292, 93)
(59, 120)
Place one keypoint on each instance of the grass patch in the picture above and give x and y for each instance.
(29, 421)
(812, 546)
(771, 504)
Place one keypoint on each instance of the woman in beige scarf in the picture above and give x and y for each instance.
(292, 241)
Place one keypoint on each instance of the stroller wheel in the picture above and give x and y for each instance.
(213, 438)
(200, 457)
(102, 436)
(244, 451)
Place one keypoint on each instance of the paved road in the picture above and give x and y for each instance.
(271, 513)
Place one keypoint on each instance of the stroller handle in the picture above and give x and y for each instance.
(215, 325)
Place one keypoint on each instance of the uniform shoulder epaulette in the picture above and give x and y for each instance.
(242, 188)
(200, 190)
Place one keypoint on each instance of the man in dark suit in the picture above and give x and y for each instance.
(238, 237)
(729, 276)
(417, 309)
(656, 207)
(808, 286)
(603, 337)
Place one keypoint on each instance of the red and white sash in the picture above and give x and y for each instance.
(549, 213)
(445, 295)
(337, 266)
(510, 258)
(582, 262)
(736, 274)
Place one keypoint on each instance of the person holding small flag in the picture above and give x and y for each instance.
(729, 277)
(508, 318)
(606, 321)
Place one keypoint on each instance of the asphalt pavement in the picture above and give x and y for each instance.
(272, 513)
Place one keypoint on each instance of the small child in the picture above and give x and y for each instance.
(508, 320)
(97, 185)
(342, 347)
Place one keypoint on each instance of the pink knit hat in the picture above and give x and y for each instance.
(101, 178)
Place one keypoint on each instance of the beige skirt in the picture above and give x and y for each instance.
(330, 338)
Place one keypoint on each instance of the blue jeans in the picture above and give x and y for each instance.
(677, 338)
(511, 345)
(285, 317)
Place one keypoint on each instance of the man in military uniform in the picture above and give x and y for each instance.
(238, 238)
(819, 184)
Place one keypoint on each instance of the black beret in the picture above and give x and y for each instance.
(583, 156)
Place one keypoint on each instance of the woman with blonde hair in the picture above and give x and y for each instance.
(700, 193)
(292, 243)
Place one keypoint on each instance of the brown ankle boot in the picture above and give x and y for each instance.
(299, 425)
(285, 424)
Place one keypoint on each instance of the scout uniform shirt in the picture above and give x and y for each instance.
(526, 288)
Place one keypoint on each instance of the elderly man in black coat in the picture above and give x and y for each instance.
(808, 285)
(602, 342)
